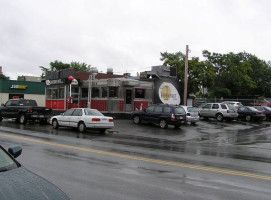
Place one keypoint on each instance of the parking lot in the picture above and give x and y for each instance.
(144, 157)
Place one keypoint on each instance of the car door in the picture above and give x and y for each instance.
(6, 112)
(242, 112)
(147, 114)
(75, 117)
(64, 119)
(157, 112)
(214, 110)
(205, 110)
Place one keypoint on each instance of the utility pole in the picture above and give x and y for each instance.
(185, 77)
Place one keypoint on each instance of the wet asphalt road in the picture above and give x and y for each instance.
(212, 160)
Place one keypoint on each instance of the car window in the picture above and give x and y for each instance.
(207, 106)
(179, 110)
(192, 109)
(150, 109)
(158, 109)
(92, 112)
(77, 112)
(242, 108)
(28, 102)
(8, 103)
(68, 112)
(215, 106)
(167, 109)
(252, 108)
(231, 106)
(5, 160)
(223, 106)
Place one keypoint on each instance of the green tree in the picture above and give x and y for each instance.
(200, 74)
(233, 74)
(58, 65)
(2, 76)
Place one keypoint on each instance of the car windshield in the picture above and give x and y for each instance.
(252, 108)
(6, 163)
(268, 108)
(231, 106)
(192, 109)
(179, 110)
(92, 112)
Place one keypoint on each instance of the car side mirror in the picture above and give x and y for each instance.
(15, 151)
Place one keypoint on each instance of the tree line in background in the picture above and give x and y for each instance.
(224, 75)
(58, 65)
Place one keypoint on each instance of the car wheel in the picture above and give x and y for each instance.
(55, 124)
(136, 119)
(193, 123)
(163, 123)
(248, 118)
(177, 126)
(82, 127)
(1, 118)
(22, 119)
(219, 117)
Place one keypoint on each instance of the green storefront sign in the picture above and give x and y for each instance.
(22, 87)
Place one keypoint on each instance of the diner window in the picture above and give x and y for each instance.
(55, 93)
(95, 92)
(104, 92)
(139, 93)
(113, 91)
(84, 92)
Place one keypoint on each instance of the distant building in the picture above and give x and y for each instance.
(11, 89)
(29, 78)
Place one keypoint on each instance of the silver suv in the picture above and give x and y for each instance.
(219, 111)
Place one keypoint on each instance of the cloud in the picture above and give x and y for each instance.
(126, 35)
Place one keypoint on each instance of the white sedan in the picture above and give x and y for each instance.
(83, 118)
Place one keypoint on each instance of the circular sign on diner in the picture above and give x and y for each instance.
(169, 94)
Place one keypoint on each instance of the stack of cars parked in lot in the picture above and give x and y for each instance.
(230, 110)
(220, 111)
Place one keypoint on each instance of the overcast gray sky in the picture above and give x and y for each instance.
(127, 35)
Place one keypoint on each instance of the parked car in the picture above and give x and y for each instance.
(236, 104)
(192, 114)
(162, 114)
(266, 110)
(20, 183)
(261, 102)
(23, 110)
(219, 111)
(250, 113)
(83, 118)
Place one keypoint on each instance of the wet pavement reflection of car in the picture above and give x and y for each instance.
(19, 183)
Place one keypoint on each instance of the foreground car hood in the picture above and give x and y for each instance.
(22, 184)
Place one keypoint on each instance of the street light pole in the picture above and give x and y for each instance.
(186, 77)
(93, 72)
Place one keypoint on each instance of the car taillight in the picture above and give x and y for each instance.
(30, 110)
(173, 117)
(111, 120)
(96, 119)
